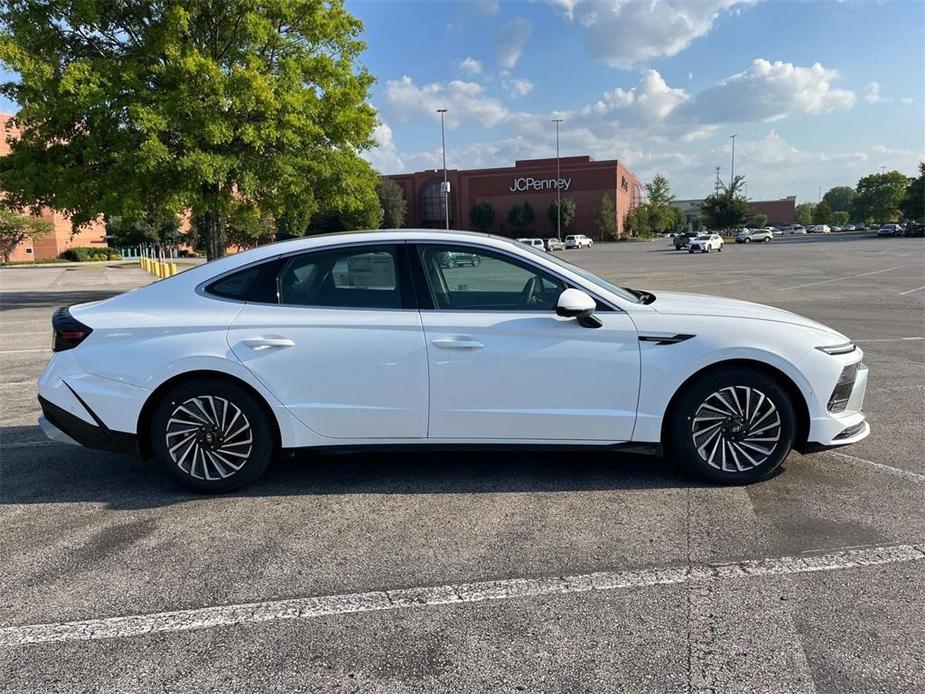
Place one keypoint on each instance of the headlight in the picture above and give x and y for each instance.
(844, 348)
(842, 393)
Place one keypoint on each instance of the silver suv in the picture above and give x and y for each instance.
(762, 235)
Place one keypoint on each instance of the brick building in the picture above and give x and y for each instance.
(779, 212)
(532, 180)
(61, 237)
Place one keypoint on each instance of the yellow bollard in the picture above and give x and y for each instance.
(173, 269)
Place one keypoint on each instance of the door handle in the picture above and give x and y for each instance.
(260, 343)
(457, 343)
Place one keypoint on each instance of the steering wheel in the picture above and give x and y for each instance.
(528, 296)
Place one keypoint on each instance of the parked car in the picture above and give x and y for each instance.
(578, 241)
(318, 341)
(554, 244)
(915, 229)
(836, 228)
(776, 231)
(890, 230)
(537, 243)
(796, 229)
(819, 229)
(683, 240)
(754, 236)
(706, 242)
(454, 259)
(849, 227)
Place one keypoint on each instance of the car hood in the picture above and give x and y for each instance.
(676, 303)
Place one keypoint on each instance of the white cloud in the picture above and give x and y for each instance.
(511, 41)
(517, 86)
(470, 66)
(464, 101)
(384, 157)
(872, 95)
(768, 91)
(488, 8)
(626, 32)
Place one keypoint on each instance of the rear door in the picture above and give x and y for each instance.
(343, 347)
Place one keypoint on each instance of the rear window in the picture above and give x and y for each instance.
(255, 283)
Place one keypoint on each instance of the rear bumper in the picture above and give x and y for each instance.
(60, 425)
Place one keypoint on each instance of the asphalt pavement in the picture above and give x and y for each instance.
(484, 572)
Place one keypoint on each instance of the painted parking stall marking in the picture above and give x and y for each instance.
(460, 593)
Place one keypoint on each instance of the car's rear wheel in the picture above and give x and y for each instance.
(733, 426)
(211, 436)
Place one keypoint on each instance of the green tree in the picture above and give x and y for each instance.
(840, 198)
(250, 228)
(568, 213)
(392, 200)
(482, 216)
(804, 213)
(16, 228)
(679, 219)
(757, 219)
(913, 205)
(521, 216)
(661, 212)
(822, 213)
(880, 196)
(841, 218)
(637, 222)
(727, 208)
(154, 226)
(216, 107)
(605, 218)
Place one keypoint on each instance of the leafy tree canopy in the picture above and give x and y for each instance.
(605, 217)
(822, 213)
(840, 198)
(880, 196)
(804, 213)
(482, 216)
(913, 205)
(728, 208)
(392, 201)
(568, 213)
(520, 216)
(221, 107)
(16, 228)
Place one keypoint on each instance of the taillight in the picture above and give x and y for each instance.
(67, 331)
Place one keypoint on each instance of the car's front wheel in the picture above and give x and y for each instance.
(211, 436)
(733, 426)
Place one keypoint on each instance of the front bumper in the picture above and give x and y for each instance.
(835, 429)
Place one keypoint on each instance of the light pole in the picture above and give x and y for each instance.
(558, 190)
(732, 175)
(446, 184)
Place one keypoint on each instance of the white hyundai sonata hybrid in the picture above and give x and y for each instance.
(376, 339)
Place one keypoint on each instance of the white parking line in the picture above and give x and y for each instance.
(404, 598)
(30, 444)
(17, 383)
(23, 351)
(911, 291)
(890, 470)
(37, 332)
(839, 279)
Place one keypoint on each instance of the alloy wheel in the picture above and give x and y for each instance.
(209, 437)
(736, 428)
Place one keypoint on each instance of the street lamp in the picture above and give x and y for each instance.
(732, 175)
(558, 179)
(446, 184)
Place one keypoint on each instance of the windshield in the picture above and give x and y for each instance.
(590, 276)
(704, 236)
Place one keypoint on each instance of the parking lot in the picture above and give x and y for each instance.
(494, 572)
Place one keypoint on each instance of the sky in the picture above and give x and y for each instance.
(818, 93)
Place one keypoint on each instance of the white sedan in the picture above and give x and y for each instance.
(371, 340)
(704, 243)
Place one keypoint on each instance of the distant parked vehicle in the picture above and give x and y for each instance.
(452, 259)
(849, 227)
(819, 229)
(536, 243)
(796, 229)
(578, 241)
(754, 236)
(683, 240)
(706, 242)
(915, 230)
(890, 230)
(554, 244)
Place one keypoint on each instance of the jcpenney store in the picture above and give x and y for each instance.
(532, 180)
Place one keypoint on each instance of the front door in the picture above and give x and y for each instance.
(503, 366)
(344, 348)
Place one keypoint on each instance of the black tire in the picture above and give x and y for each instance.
(233, 403)
(748, 240)
(734, 466)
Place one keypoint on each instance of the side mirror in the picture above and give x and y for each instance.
(574, 303)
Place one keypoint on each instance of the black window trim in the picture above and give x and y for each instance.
(422, 285)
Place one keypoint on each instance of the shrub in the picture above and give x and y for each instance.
(82, 254)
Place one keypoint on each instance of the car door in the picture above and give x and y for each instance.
(342, 347)
(503, 366)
